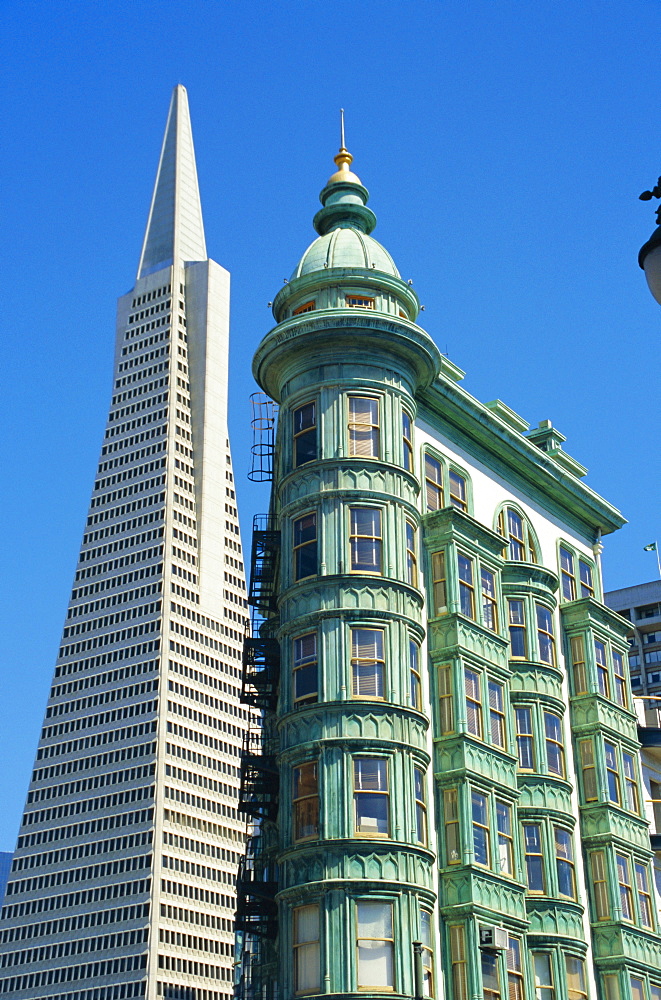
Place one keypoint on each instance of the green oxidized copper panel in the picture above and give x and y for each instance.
(554, 917)
(459, 757)
(611, 940)
(544, 793)
(470, 890)
(592, 712)
(603, 821)
(454, 634)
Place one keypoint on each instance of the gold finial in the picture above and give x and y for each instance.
(343, 160)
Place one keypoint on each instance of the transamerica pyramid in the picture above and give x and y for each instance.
(123, 879)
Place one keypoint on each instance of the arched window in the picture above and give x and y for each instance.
(514, 526)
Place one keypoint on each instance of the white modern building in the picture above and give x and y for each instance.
(123, 880)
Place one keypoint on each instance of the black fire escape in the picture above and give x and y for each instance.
(257, 882)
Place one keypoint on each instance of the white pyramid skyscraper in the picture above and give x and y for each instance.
(123, 879)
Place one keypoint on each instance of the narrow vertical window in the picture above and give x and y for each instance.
(490, 976)
(567, 575)
(365, 540)
(620, 680)
(489, 602)
(624, 879)
(370, 783)
(555, 753)
(532, 835)
(588, 770)
(305, 546)
(433, 483)
(496, 714)
(407, 446)
(505, 839)
(305, 434)
(458, 491)
(644, 896)
(517, 629)
(611, 983)
(544, 987)
(480, 814)
(420, 805)
(585, 573)
(564, 860)
(525, 739)
(364, 427)
(415, 692)
(307, 952)
(602, 669)
(517, 547)
(427, 939)
(630, 783)
(637, 988)
(458, 962)
(439, 584)
(367, 663)
(545, 634)
(306, 801)
(375, 945)
(466, 586)
(445, 699)
(451, 823)
(514, 969)
(578, 664)
(576, 988)
(600, 883)
(306, 688)
(473, 703)
(612, 776)
(411, 559)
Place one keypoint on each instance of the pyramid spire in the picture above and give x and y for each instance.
(175, 231)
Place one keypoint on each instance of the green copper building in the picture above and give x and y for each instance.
(445, 795)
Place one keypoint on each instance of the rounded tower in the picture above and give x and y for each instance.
(355, 868)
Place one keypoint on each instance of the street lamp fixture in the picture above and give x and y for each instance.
(649, 256)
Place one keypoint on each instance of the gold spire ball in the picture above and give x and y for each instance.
(343, 160)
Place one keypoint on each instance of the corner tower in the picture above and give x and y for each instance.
(446, 785)
(352, 844)
(122, 883)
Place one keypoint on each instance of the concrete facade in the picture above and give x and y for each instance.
(122, 883)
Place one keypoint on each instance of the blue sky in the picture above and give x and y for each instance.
(504, 146)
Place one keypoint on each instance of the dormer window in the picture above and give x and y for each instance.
(305, 308)
(359, 302)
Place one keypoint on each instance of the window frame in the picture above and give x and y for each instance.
(301, 663)
(377, 662)
(584, 573)
(354, 426)
(300, 802)
(298, 946)
(415, 677)
(420, 796)
(453, 486)
(407, 441)
(364, 792)
(410, 534)
(298, 547)
(545, 636)
(565, 862)
(526, 543)
(311, 430)
(390, 952)
(377, 540)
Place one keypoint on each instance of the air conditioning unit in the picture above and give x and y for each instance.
(494, 938)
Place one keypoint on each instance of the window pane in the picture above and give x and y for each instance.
(575, 978)
(367, 663)
(524, 738)
(544, 989)
(480, 828)
(305, 434)
(305, 669)
(305, 546)
(365, 539)
(458, 491)
(433, 483)
(306, 801)
(517, 629)
(363, 426)
(307, 966)
(532, 834)
(375, 944)
(370, 795)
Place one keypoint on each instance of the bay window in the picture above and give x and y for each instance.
(375, 945)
